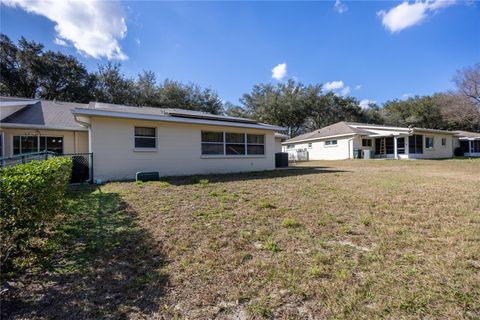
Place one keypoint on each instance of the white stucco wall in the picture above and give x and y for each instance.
(73, 141)
(178, 150)
(344, 148)
(278, 145)
(319, 151)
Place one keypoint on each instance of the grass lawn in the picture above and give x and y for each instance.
(330, 239)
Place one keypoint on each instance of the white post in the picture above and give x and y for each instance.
(395, 152)
(470, 149)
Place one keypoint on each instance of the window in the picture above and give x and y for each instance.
(415, 144)
(290, 146)
(226, 143)
(429, 142)
(145, 138)
(255, 144)
(331, 142)
(235, 143)
(366, 142)
(52, 144)
(212, 143)
(310, 146)
(444, 142)
(476, 146)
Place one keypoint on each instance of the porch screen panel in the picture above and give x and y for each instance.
(401, 145)
(415, 144)
(389, 145)
(476, 146)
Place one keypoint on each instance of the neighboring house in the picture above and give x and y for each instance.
(348, 140)
(126, 140)
(28, 125)
(279, 138)
(469, 142)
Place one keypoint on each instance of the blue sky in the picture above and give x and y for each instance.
(371, 50)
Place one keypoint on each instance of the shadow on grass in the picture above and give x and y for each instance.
(98, 264)
(245, 176)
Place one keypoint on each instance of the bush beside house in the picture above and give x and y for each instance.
(30, 196)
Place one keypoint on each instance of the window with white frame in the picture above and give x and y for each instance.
(235, 143)
(290, 146)
(145, 138)
(331, 142)
(444, 142)
(232, 144)
(429, 142)
(255, 144)
(310, 145)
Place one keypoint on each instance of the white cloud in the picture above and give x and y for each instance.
(338, 87)
(94, 28)
(405, 96)
(333, 85)
(60, 42)
(137, 41)
(409, 14)
(345, 91)
(358, 87)
(340, 7)
(280, 71)
(365, 103)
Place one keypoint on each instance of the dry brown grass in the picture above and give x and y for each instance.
(337, 239)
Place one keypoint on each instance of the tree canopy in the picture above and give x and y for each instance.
(28, 70)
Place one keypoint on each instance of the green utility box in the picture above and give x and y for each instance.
(147, 176)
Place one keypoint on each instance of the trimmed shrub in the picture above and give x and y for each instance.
(31, 195)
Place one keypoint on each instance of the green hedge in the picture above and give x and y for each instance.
(31, 195)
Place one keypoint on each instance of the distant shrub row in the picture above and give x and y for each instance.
(31, 195)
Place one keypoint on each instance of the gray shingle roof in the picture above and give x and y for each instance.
(338, 128)
(468, 134)
(48, 114)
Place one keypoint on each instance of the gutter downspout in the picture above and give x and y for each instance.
(86, 124)
(351, 139)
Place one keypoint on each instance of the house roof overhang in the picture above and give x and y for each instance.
(87, 112)
(7, 125)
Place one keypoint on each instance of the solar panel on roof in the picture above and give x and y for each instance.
(210, 117)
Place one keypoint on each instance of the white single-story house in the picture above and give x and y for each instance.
(349, 140)
(126, 140)
(468, 142)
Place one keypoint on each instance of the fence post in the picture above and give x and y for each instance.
(91, 167)
(23, 159)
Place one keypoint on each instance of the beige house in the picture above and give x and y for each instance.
(348, 140)
(28, 125)
(126, 140)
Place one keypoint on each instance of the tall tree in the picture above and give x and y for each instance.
(418, 111)
(285, 104)
(113, 87)
(468, 83)
(21, 67)
(458, 111)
